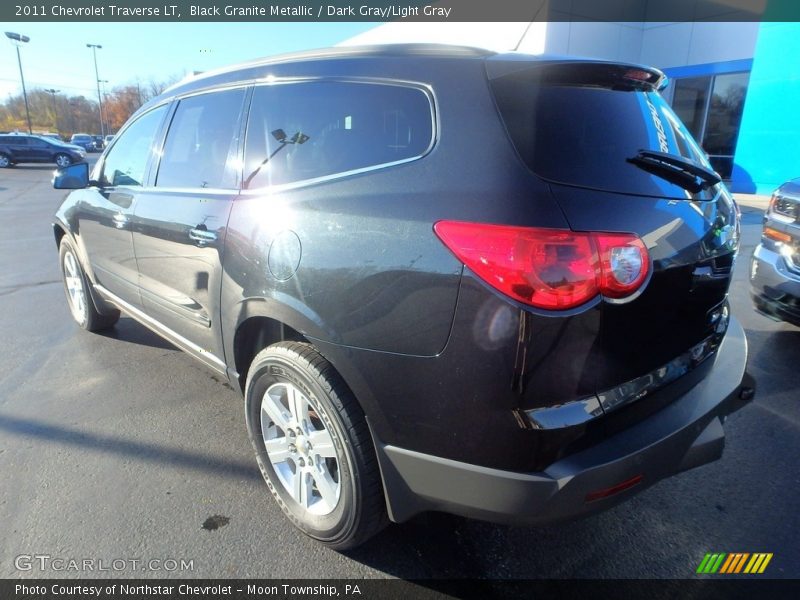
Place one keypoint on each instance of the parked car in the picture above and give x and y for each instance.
(99, 143)
(83, 140)
(775, 267)
(53, 136)
(443, 279)
(16, 148)
(107, 140)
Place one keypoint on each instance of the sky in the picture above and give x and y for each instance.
(57, 56)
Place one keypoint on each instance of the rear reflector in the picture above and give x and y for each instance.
(554, 269)
(620, 487)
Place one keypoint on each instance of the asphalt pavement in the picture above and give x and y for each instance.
(118, 447)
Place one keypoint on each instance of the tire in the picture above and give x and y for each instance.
(5, 161)
(62, 160)
(76, 287)
(295, 399)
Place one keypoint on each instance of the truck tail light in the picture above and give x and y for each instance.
(553, 269)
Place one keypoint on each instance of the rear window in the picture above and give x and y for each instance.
(303, 131)
(582, 132)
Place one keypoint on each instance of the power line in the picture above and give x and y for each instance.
(39, 83)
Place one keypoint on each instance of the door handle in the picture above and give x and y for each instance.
(202, 236)
(120, 220)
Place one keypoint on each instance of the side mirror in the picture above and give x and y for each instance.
(73, 177)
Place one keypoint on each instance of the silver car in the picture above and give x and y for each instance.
(775, 269)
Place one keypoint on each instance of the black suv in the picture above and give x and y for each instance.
(15, 148)
(443, 279)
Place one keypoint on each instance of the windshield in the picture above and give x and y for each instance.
(584, 135)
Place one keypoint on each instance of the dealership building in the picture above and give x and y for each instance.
(736, 85)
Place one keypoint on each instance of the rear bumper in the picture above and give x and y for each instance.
(775, 289)
(685, 434)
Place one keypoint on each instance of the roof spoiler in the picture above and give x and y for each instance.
(582, 72)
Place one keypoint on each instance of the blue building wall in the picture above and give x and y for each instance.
(768, 150)
(718, 68)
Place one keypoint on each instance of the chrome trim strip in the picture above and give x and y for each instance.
(162, 330)
(565, 415)
(191, 191)
(276, 189)
(209, 89)
(586, 409)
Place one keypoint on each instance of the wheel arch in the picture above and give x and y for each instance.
(255, 333)
(262, 322)
(60, 231)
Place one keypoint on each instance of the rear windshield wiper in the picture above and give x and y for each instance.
(686, 173)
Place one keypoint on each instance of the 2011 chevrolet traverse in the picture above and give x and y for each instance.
(443, 279)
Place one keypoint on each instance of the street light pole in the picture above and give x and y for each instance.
(95, 48)
(104, 93)
(53, 92)
(18, 40)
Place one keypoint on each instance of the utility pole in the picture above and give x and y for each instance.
(18, 40)
(103, 91)
(53, 92)
(95, 48)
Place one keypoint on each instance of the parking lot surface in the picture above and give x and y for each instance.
(120, 447)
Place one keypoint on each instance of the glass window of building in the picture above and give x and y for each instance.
(712, 107)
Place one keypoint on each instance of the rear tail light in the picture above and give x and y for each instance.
(554, 269)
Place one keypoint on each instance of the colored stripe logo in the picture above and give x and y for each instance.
(733, 563)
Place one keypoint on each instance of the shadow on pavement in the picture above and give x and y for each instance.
(154, 453)
(34, 167)
(130, 330)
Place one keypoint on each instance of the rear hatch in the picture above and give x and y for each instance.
(618, 159)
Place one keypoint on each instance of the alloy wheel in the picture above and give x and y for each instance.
(300, 448)
(73, 279)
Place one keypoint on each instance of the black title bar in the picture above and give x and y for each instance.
(409, 10)
(394, 589)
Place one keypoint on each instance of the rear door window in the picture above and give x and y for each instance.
(203, 142)
(581, 130)
(304, 131)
